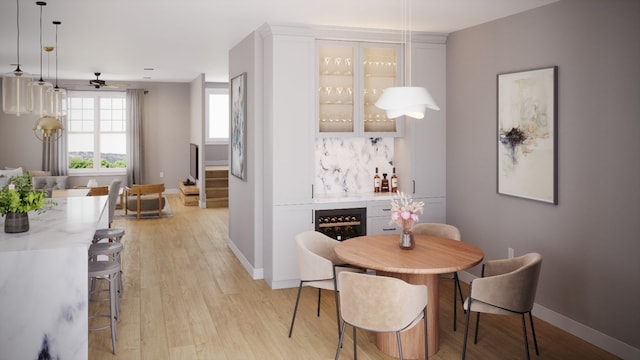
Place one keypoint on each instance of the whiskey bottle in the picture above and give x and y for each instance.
(376, 182)
(394, 182)
(385, 183)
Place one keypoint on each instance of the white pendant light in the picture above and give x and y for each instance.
(15, 93)
(406, 100)
(38, 89)
(57, 97)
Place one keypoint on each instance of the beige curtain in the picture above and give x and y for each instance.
(135, 148)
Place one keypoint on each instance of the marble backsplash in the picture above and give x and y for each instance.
(347, 165)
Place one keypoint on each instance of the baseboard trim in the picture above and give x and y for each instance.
(592, 336)
(256, 274)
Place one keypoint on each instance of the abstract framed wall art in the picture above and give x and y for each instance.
(527, 134)
(238, 104)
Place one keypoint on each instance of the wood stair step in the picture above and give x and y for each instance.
(218, 202)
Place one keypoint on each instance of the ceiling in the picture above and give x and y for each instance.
(181, 39)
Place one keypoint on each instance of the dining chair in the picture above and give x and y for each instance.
(318, 264)
(380, 304)
(507, 287)
(144, 198)
(450, 232)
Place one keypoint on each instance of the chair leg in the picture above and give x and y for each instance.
(337, 309)
(295, 309)
(524, 335)
(340, 337)
(457, 279)
(319, 293)
(475, 339)
(355, 346)
(466, 333)
(455, 308)
(533, 332)
(426, 338)
(399, 344)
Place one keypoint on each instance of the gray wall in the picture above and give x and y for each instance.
(590, 239)
(245, 217)
(165, 132)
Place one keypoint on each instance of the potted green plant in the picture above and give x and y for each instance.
(18, 198)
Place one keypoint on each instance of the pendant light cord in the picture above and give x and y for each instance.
(56, 23)
(41, 4)
(18, 71)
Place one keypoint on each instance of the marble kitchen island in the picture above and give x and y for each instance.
(43, 281)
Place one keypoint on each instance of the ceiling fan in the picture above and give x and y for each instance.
(98, 83)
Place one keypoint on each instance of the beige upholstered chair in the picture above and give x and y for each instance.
(450, 232)
(144, 198)
(380, 304)
(507, 287)
(318, 265)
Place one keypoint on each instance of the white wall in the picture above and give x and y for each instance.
(590, 239)
(165, 134)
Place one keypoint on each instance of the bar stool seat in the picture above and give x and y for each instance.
(111, 249)
(110, 271)
(115, 234)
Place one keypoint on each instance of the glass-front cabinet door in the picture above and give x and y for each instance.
(380, 71)
(351, 77)
(336, 86)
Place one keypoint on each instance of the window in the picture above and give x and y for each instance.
(217, 112)
(97, 132)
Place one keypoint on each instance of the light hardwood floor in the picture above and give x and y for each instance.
(186, 296)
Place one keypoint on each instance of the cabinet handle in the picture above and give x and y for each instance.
(386, 209)
(389, 229)
(414, 186)
(312, 191)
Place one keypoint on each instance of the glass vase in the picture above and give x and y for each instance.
(406, 240)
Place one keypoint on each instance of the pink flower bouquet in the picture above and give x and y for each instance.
(404, 211)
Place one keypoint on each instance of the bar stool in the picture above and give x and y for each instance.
(112, 250)
(110, 271)
(113, 234)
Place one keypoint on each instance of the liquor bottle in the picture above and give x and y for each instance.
(385, 183)
(394, 182)
(376, 182)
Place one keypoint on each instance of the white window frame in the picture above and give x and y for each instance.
(96, 133)
(219, 88)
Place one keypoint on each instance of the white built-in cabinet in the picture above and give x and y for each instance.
(288, 113)
(419, 156)
(350, 78)
(292, 74)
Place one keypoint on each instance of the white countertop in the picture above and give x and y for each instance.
(350, 197)
(70, 223)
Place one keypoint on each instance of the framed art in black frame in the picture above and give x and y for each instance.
(238, 105)
(527, 134)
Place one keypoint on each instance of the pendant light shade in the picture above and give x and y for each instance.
(38, 89)
(48, 129)
(15, 85)
(406, 100)
(57, 97)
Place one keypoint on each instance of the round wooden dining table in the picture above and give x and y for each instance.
(421, 265)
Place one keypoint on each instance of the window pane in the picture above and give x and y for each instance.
(80, 151)
(113, 150)
(219, 116)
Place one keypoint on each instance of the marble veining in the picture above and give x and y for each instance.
(347, 165)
